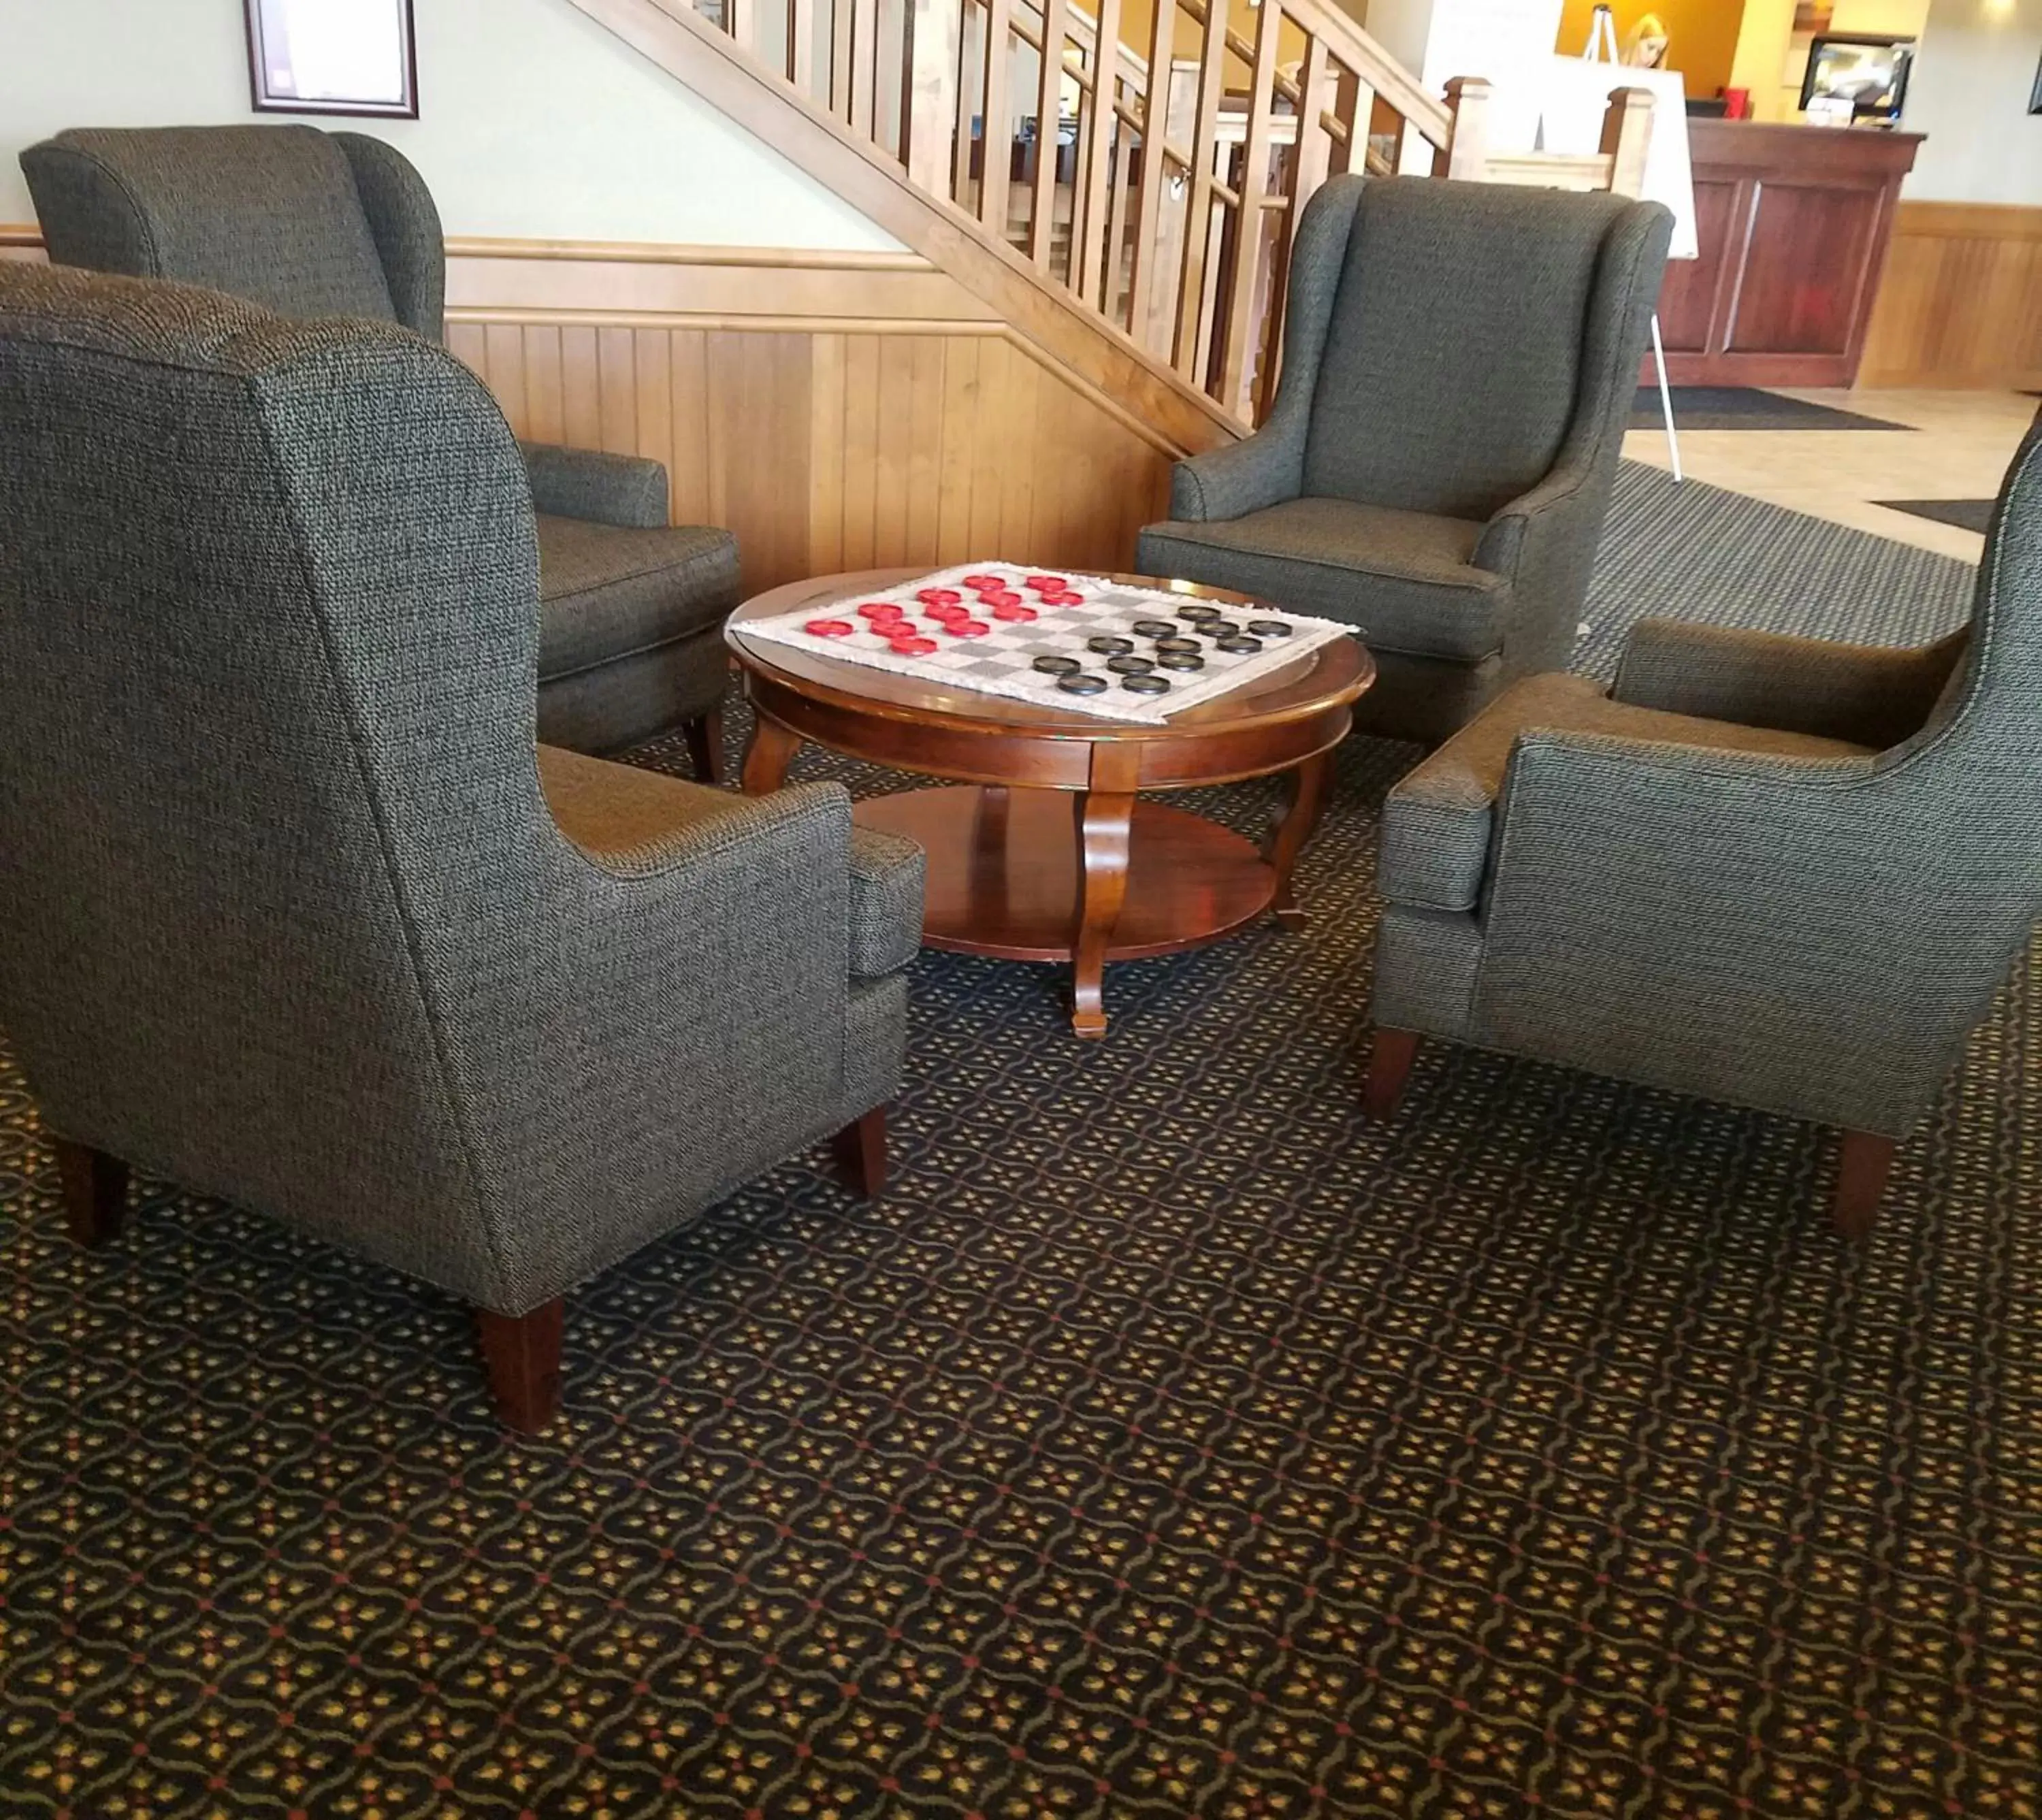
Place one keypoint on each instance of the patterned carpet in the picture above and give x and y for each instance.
(1165, 1441)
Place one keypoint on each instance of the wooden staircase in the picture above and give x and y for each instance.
(1154, 273)
(1151, 263)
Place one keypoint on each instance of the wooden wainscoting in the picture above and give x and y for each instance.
(835, 410)
(1961, 305)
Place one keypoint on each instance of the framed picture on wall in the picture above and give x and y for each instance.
(332, 57)
(2035, 94)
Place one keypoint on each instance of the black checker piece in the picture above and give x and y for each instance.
(1052, 665)
(1146, 685)
(1109, 646)
(1082, 683)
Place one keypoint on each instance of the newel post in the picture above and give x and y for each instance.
(1467, 127)
(1626, 136)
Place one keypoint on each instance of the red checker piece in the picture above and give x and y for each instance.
(1013, 610)
(983, 582)
(949, 615)
(966, 628)
(829, 629)
(1047, 583)
(1063, 599)
(939, 597)
(879, 609)
(912, 647)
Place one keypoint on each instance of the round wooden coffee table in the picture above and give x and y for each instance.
(1039, 850)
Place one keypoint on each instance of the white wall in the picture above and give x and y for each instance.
(1969, 93)
(534, 120)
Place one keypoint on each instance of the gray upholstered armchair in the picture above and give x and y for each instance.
(1459, 360)
(311, 223)
(1773, 871)
(295, 910)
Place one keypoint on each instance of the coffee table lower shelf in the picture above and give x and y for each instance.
(1008, 878)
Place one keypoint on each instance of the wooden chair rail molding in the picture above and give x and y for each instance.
(1153, 263)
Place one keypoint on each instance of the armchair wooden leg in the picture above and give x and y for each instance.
(1390, 1061)
(522, 1354)
(95, 1191)
(705, 746)
(1861, 1173)
(861, 1152)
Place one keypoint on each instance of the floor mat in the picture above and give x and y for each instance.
(1745, 408)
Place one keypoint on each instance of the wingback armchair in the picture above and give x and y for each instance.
(1459, 360)
(312, 224)
(295, 910)
(1778, 872)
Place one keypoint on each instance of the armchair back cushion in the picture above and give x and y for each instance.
(1455, 397)
(305, 223)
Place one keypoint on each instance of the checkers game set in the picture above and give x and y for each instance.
(1074, 642)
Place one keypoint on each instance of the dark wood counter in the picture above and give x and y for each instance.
(1793, 222)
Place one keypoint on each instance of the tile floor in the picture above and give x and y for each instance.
(1965, 440)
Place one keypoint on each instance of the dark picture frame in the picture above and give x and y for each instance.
(358, 57)
(2035, 94)
(1831, 51)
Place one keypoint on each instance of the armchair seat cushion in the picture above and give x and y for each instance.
(616, 812)
(1439, 822)
(606, 591)
(1403, 579)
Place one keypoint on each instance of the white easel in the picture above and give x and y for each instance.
(1601, 47)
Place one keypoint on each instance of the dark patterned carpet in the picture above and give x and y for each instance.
(1165, 1441)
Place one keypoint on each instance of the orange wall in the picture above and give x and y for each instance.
(1703, 34)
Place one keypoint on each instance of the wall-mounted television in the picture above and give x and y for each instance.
(1869, 73)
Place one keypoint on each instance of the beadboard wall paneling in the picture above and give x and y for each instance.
(1961, 305)
(835, 412)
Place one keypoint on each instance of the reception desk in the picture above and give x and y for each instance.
(1793, 222)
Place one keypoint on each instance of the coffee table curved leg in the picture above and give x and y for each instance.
(766, 758)
(1105, 819)
(1308, 794)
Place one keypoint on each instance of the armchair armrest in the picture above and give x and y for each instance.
(1870, 695)
(623, 490)
(1440, 818)
(637, 824)
(1563, 494)
(1260, 471)
(1543, 543)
